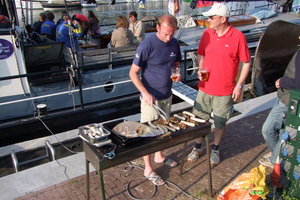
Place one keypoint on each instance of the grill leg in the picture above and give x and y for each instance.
(87, 179)
(208, 166)
(184, 154)
(101, 181)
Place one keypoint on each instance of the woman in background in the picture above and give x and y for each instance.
(93, 28)
(122, 36)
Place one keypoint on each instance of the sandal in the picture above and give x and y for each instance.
(155, 179)
(170, 162)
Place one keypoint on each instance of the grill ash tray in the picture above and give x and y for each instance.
(95, 134)
(119, 139)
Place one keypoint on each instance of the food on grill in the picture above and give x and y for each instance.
(131, 129)
(189, 114)
(174, 126)
(140, 130)
(170, 128)
(162, 128)
(93, 133)
(174, 120)
(160, 121)
(198, 119)
(182, 125)
(179, 117)
(188, 123)
(152, 125)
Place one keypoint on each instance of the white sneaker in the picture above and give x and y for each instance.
(195, 154)
(266, 162)
(268, 155)
(215, 157)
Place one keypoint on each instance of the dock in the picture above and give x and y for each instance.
(64, 178)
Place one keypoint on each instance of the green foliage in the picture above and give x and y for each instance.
(286, 196)
(74, 181)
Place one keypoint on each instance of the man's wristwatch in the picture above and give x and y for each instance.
(239, 86)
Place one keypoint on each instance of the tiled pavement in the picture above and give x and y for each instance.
(240, 150)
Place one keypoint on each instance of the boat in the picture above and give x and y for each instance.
(30, 4)
(43, 80)
(53, 5)
(86, 4)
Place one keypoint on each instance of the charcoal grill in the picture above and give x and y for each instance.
(118, 139)
(143, 147)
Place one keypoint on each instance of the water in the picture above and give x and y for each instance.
(107, 14)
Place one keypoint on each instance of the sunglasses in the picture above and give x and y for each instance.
(212, 17)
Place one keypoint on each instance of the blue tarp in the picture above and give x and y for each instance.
(262, 13)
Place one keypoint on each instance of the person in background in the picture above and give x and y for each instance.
(274, 122)
(64, 30)
(220, 51)
(4, 22)
(122, 36)
(61, 19)
(93, 28)
(49, 27)
(137, 28)
(83, 20)
(38, 24)
(154, 58)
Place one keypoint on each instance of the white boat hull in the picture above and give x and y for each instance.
(34, 5)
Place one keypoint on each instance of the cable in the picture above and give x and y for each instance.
(65, 169)
(133, 197)
(131, 166)
(56, 137)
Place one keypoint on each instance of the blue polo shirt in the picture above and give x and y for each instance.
(156, 58)
(49, 28)
(63, 34)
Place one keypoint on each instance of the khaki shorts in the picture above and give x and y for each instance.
(221, 106)
(148, 113)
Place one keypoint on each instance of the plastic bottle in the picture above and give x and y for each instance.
(287, 150)
(296, 173)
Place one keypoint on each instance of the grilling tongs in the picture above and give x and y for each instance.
(161, 113)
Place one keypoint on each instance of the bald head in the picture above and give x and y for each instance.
(168, 20)
(166, 28)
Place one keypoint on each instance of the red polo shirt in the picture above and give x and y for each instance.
(221, 57)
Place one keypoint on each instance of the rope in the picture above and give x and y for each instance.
(74, 152)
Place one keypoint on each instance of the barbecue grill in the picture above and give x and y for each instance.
(133, 148)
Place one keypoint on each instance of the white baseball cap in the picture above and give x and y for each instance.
(218, 9)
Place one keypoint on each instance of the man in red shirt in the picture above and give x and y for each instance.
(220, 51)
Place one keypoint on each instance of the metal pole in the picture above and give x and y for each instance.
(87, 175)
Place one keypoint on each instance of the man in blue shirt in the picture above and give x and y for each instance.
(154, 58)
(38, 24)
(64, 30)
(48, 27)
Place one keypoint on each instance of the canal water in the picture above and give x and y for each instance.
(107, 13)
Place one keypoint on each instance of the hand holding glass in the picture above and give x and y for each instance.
(175, 73)
(204, 74)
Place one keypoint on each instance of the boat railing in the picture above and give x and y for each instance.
(107, 57)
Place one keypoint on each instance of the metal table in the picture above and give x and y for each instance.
(146, 146)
